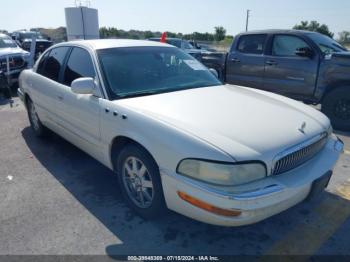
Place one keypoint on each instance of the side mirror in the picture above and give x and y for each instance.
(214, 72)
(304, 52)
(83, 86)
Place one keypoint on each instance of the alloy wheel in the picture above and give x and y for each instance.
(138, 182)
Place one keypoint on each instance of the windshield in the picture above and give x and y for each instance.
(174, 42)
(6, 41)
(137, 71)
(326, 44)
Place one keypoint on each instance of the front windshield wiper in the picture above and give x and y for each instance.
(136, 94)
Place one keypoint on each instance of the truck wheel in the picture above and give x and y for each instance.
(336, 105)
(7, 93)
(39, 129)
(140, 181)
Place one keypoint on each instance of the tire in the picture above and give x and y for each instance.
(39, 129)
(336, 105)
(7, 93)
(143, 193)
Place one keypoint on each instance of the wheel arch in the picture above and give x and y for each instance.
(118, 143)
(26, 99)
(335, 85)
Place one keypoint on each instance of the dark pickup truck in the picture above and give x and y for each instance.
(303, 65)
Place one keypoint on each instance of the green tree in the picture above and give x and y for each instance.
(344, 37)
(315, 27)
(220, 33)
(148, 34)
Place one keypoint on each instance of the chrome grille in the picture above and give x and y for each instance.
(302, 153)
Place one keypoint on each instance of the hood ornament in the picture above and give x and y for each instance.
(302, 128)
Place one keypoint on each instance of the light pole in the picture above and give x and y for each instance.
(247, 20)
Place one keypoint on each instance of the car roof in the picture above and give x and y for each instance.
(97, 44)
(3, 35)
(279, 31)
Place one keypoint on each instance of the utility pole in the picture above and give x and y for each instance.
(247, 21)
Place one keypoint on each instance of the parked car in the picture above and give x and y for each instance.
(176, 136)
(304, 65)
(184, 45)
(18, 58)
(24, 39)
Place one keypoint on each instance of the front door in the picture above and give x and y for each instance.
(80, 114)
(287, 73)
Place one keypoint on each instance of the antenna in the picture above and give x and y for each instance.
(247, 20)
(81, 3)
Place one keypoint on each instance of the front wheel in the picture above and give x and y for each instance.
(336, 105)
(140, 181)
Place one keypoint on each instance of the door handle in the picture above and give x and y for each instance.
(235, 60)
(271, 62)
(60, 98)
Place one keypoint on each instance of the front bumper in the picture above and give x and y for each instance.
(257, 200)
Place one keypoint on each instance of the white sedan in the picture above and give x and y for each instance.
(175, 136)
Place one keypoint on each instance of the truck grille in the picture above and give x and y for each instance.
(299, 156)
(16, 62)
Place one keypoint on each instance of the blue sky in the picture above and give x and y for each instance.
(183, 16)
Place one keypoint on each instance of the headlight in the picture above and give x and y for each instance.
(224, 174)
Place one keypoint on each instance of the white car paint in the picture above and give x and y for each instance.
(222, 123)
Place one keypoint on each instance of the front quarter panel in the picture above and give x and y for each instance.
(166, 144)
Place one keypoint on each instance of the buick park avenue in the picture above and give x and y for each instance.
(175, 136)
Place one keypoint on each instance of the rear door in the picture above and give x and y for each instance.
(45, 86)
(287, 73)
(245, 62)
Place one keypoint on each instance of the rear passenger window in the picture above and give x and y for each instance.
(41, 64)
(54, 62)
(252, 44)
(79, 65)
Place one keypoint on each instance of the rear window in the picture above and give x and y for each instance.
(251, 44)
(54, 62)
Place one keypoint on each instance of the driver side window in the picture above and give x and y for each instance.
(286, 45)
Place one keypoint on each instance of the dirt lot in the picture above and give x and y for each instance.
(55, 199)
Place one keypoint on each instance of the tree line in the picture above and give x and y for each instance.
(219, 33)
(112, 32)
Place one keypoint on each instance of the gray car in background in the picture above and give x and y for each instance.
(303, 65)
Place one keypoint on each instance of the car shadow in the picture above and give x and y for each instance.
(96, 188)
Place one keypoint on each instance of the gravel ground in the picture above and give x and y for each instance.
(56, 200)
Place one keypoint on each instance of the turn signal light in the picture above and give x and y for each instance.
(210, 208)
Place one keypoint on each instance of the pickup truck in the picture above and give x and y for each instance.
(24, 40)
(303, 65)
(16, 57)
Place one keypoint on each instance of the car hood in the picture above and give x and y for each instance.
(12, 51)
(247, 124)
